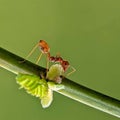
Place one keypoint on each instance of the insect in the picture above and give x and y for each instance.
(45, 49)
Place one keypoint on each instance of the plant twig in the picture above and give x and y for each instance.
(72, 90)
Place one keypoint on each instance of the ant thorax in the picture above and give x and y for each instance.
(55, 72)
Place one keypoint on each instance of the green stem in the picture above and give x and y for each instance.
(72, 90)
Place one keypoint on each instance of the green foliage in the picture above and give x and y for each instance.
(38, 87)
(75, 91)
(33, 84)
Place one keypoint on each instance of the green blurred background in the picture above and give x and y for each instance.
(85, 32)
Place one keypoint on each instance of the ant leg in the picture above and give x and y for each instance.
(39, 58)
(30, 53)
(73, 70)
(47, 64)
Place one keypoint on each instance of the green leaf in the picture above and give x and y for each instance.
(47, 99)
(36, 87)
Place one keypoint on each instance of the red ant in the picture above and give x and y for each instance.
(45, 49)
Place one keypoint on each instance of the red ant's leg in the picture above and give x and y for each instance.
(39, 58)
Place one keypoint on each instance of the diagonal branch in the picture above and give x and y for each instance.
(72, 90)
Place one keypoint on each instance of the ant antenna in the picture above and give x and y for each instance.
(65, 64)
(73, 70)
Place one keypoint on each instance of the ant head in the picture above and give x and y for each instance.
(44, 47)
(65, 65)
